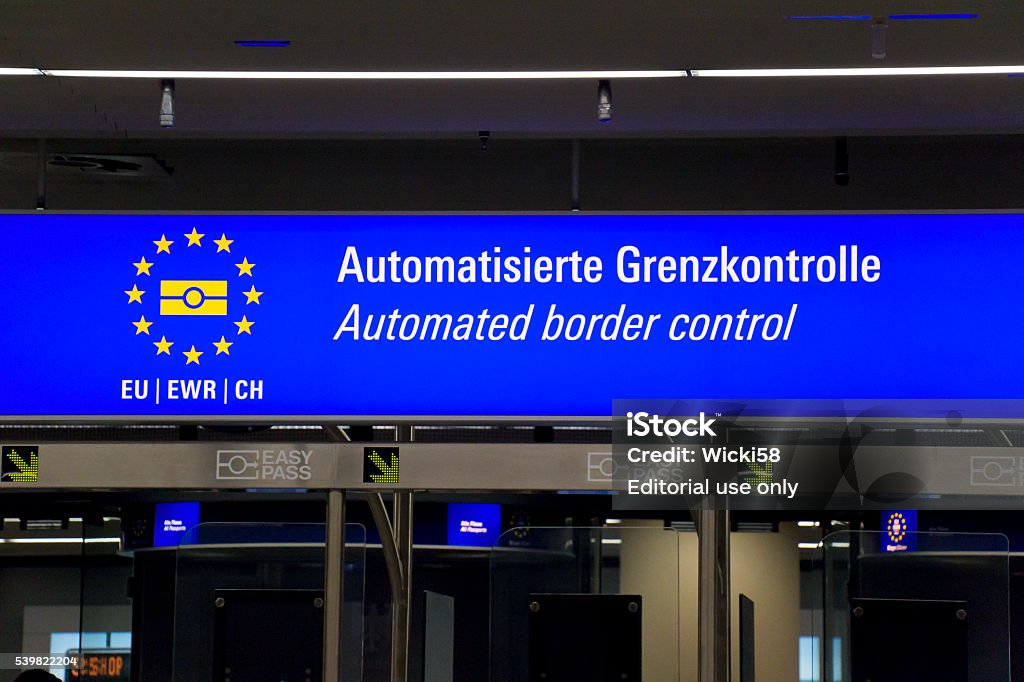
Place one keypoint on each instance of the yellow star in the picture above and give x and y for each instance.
(193, 239)
(245, 326)
(223, 244)
(163, 346)
(245, 267)
(192, 355)
(163, 246)
(222, 345)
(142, 267)
(142, 326)
(135, 294)
(252, 296)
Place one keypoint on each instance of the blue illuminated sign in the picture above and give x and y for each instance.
(172, 521)
(474, 525)
(310, 316)
(899, 530)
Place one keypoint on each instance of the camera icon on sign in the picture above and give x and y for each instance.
(238, 465)
(994, 471)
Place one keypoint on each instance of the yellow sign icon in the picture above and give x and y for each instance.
(193, 297)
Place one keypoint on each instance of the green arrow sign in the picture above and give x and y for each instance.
(763, 473)
(380, 465)
(19, 464)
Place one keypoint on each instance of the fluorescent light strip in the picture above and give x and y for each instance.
(58, 541)
(830, 17)
(809, 545)
(263, 43)
(925, 17)
(357, 75)
(1012, 70)
(858, 71)
(894, 17)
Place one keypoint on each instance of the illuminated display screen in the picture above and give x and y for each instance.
(19, 464)
(265, 316)
(381, 465)
(102, 667)
(474, 525)
(899, 530)
(172, 520)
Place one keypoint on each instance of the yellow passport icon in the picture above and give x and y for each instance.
(193, 297)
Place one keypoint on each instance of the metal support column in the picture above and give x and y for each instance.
(334, 585)
(713, 630)
(402, 508)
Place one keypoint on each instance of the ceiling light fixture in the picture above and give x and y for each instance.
(928, 17)
(829, 17)
(1010, 69)
(858, 71)
(263, 43)
(356, 75)
(894, 17)
(59, 541)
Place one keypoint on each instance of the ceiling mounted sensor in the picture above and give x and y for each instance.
(167, 103)
(604, 101)
(109, 165)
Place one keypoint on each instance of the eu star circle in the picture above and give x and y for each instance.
(195, 296)
(896, 527)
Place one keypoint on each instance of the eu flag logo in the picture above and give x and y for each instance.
(188, 314)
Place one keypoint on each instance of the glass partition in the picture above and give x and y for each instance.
(63, 588)
(577, 597)
(105, 643)
(250, 596)
(915, 606)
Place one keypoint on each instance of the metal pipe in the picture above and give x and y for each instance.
(713, 595)
(387, 541)
(336, 434)
(400, 613)
(334, 585)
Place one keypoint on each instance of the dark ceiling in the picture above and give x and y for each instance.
(526, 35)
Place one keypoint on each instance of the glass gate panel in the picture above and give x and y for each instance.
(249, 603)
(920, 606)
